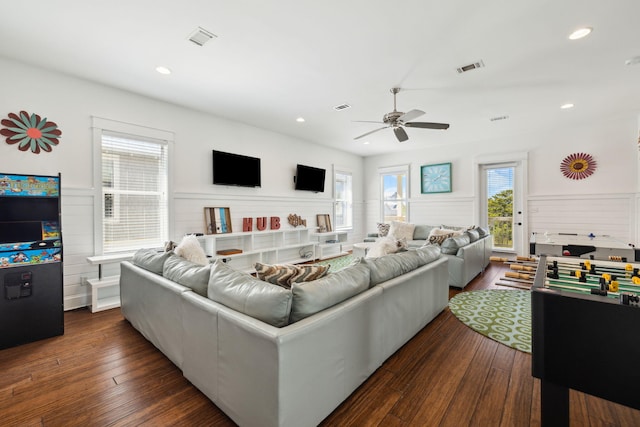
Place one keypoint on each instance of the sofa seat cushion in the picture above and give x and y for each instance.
(187, 273)
(244, 293)
(393, 265)
(451, 245)
(312, 297)
(151, 259)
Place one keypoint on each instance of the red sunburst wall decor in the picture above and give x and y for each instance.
(30, 132)
(578, 166)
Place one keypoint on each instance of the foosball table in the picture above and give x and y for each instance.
(585, 315)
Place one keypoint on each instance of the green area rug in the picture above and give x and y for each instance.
(502, 315)
(337, 263)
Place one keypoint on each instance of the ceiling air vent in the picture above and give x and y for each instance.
(341, 107)
(200, 36)
(495, 119)
(470, 67)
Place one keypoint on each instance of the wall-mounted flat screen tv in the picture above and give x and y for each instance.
(235, 169)
(309, 178)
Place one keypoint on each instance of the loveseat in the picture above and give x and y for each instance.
(468, 249)
(331, 335)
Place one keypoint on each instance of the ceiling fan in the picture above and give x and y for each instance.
(399, 120)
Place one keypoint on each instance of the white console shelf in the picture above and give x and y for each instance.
(330, 243)
(105, 291)
(289, 245)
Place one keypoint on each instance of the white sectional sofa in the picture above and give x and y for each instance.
(468, 254)
(295, 374)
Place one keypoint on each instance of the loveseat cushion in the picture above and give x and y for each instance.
(244, 293)
(317, 295)
(452, 244)
(151, 259)
(421, 232)
(187, 273)
(393, 265)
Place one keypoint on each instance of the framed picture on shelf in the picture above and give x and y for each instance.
(435, 178)
(217, 221)
(324, 223)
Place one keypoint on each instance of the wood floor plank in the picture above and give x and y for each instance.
(102, 372)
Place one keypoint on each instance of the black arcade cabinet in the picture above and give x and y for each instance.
(31, 302)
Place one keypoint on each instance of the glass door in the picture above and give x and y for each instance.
(500, 192)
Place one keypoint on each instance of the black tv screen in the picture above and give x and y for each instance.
(309, 178)
(235, 169)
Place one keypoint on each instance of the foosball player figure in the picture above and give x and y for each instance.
(603, 284)
(582, 277)
(553, 274)
(627, 298)
(635, 280)
(614, 286)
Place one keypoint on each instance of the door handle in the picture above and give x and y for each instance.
(518, 223)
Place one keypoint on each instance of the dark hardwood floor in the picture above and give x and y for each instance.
(103, 373)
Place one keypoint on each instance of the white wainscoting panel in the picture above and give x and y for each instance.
(604, 214)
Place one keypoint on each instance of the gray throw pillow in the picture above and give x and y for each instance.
(311, 297)
(187, 273)
(244, 293)
(474, 235)
(452, 244)
(483, 231)
(151, 259)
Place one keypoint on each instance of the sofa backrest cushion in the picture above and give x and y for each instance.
(452, 244)
(151, 259)
(187, 273)
(473, 234)
(393, 265)
(311, 297)
(244, 293)
(421, 232)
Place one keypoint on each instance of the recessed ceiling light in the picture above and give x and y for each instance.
(580, 33)
(366, 143)
(566, 106)
(163, 70)
(300, 119)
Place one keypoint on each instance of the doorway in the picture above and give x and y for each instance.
(501, 205)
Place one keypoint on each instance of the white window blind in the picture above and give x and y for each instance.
(134, 192)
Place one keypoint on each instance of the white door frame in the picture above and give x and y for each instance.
(520, 183)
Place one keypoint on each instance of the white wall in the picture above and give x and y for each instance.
(604, 203)
(72, 103)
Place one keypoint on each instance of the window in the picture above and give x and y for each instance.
(344, 200)
(395, 194)
(134, 192)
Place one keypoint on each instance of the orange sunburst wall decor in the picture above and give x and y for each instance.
(578, 166)
(30, 132)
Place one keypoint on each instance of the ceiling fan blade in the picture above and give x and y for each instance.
(427, 125)
(369, 133)
(365, 121)
(410, 115)
(400, 134)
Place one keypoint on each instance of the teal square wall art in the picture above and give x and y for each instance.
(435, 178)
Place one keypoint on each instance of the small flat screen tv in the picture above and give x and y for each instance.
(309, 178)
(235, 169)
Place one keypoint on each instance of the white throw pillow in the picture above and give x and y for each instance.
(383, 246)
(190, 249)
(402, 230)
(445, 231)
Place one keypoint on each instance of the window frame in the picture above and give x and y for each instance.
(136, 132)
(348, 201)
(395, 170)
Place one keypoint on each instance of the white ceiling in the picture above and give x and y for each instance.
(273, 61)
